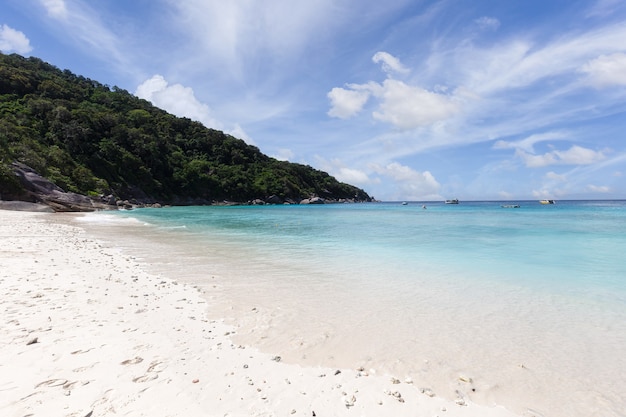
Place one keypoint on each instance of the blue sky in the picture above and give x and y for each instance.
(409, 100)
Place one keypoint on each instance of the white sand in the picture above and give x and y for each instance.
(84, 331)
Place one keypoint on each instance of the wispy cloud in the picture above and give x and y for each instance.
(78, 24)
(576, 155)
(486, 22)
(520, 86)
(527, 144)
(246, 35)
(602, 189)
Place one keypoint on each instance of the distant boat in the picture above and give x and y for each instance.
(510, 206)
(546, 201)
(453, 201)
(404, 203)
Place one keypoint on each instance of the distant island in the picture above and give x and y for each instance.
(76, 145)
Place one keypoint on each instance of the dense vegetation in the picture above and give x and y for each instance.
(91, 139)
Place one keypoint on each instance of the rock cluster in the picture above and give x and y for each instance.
(41, 194)
(40, 190)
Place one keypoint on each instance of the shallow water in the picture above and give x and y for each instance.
(528, 304)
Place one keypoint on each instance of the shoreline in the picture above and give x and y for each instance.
(88, 332)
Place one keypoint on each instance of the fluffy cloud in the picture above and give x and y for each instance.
(409, 107)
(402, 105)
(412, 184)
(346, 103)
(352, 176)
(182, 102)
(390, 63)
(13, 40)
(607, 70)
(176, 99)
(576, 155)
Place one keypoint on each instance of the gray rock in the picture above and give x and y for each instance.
(274, 199)
(41, 190)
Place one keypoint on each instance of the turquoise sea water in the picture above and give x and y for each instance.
(529, 301)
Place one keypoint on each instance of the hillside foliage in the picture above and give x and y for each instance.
(92, 139)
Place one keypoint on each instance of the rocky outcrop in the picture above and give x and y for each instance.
(313, 200)
(274, 199)
(40, 190)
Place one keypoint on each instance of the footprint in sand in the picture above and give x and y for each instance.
(152, 372)
(146, 378)
(156, 366)
(76, 352)
(52, 383)
(84, 368)
(133, 361)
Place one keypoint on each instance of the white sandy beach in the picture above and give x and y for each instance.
(86, 332)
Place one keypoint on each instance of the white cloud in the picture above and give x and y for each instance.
(402, 105)
(176, 99)
(242, 35)
(284, 155)
(553, 176)
(598, 188)
(607, 70)
(55, 8)
(546, 193)
(13, 40)
(522, 62)
(486, 22)
(352, 176)
(409, 107)
(240, 133)
(604, 8)
(338, 169)
(346, 103)
(528, 143)
(89, 28)
(390, 63)
(576, 155)
(411, 184)
(182, 102)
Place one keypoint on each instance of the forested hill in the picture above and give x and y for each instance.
(90, 139)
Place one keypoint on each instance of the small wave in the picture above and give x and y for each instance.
(100, 218)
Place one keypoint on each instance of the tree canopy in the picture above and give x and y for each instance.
(92, 139)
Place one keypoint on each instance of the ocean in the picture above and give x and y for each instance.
(524, 307)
